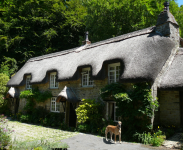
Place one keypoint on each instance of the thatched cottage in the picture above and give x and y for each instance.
(149, 55)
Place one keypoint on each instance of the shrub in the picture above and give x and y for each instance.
(146, 138)
(5, 138)
(90, 113)
(24, 118)
(83, 128)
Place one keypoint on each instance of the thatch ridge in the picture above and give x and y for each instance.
(111, 40)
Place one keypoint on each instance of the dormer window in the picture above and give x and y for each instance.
(86, 80)
(28, 86)
(53, 83)
(113, 72)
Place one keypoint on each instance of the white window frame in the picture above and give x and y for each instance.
(55, 84)
(115, 65)
(28, 86)
(54, 104)
(107, 111)
(86, 76)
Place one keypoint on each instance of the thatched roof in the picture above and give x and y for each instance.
(172, 79)
(13, 92)
(142, 55)
(68, 94)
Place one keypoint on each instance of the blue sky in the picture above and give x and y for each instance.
(180, 2)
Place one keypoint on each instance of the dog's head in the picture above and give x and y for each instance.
(119, 124)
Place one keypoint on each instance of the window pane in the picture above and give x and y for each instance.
(57, 107)
(111, 68)
(28, 86)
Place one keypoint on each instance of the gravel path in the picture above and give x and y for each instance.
(28, 132)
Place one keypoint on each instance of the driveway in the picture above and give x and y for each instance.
(91, 142)
(76, 141)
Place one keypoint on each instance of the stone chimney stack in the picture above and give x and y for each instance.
(86, 39)
(167, 25)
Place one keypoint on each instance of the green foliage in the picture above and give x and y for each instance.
(89, 110)
(146, 138)
(38, 145)
(84, 128)
(5, 137)
(3, 90)
(32, 28)
(42, 116)
(34, 96)
(35, 93)
(89, 115)
(135, 106)
(9, 66)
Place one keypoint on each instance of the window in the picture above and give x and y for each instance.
(113, 72)
(86, 81)
(28, 86)
(111, 111)
(53, 83)
(55, 106)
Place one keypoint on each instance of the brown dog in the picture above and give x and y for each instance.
(116, 130)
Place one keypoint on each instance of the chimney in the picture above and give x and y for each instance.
(86, 39)
(167, 25)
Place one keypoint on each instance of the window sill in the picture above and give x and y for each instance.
(87, 87)
(54, 88)
(55, 111)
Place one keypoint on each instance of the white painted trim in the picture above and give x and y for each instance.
(54, 73)
(28, 86)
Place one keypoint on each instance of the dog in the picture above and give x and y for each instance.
(116, 130)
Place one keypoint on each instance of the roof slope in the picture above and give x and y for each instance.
(143, 54)
(172, 79)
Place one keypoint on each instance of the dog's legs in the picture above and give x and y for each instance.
(111, 135)
(120, 138)
(106, 134)
(115, 138)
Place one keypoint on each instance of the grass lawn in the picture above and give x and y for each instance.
(34, 134)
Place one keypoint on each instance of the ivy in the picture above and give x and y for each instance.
(34, 96)
(135, 106)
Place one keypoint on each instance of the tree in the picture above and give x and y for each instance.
(30, 28)
(110, 18)
(3, 89)
(9, 66)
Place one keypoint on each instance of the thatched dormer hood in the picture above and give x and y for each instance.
(142, 55)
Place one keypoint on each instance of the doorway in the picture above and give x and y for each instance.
(72, 116)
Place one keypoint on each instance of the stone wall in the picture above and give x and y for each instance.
(169, 112)
(81, 92)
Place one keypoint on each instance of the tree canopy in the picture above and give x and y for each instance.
(30, 28)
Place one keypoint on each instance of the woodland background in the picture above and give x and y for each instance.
(30, 28)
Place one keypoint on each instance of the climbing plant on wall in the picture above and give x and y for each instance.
(135, 106)
(34, 96)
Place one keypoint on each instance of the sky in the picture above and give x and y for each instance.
(180, 2)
